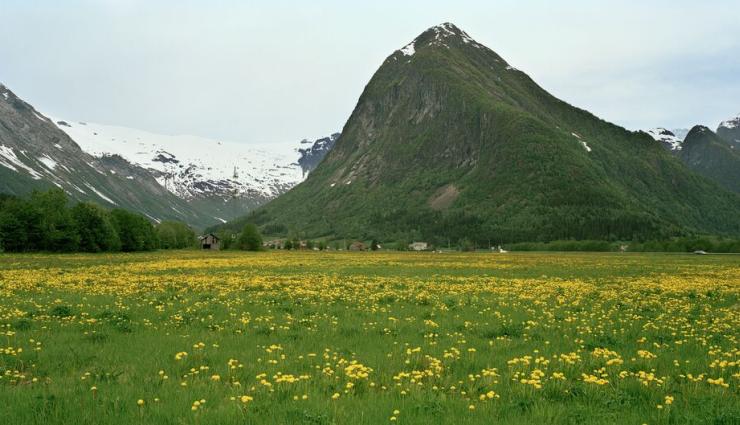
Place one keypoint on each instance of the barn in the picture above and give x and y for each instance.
(210, 241)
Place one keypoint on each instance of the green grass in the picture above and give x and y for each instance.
(115, 321)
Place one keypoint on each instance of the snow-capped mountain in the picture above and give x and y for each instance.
(667, 138)
(35, 154)
(196, 180)
(194, 167)
(220, 179)
(729, 131)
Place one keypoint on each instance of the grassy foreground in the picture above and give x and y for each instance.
(368, 338)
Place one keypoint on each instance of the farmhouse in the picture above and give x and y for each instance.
(210, 241)
(357, 246)
(418, 246)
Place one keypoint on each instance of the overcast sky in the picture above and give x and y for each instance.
(279, 71)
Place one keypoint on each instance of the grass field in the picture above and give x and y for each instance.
(367, 338)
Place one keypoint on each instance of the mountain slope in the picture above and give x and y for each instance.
(35, 154)
(709, 155)
(219, 179)
(448, 141)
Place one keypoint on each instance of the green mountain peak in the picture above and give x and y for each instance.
(449, 142)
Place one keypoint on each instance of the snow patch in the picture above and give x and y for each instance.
(580, 139)
(731, 123)
(155, 219)
(5, 95)
(220, 219)
(409, 50)
(78, 189)
(97, 192)
(48, 162)
(9, 159)
(58, 146)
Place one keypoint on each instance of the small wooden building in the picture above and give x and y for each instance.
(210, 241)
(357, 246)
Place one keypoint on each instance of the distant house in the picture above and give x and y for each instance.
(274, 244)
(357, 246)
(418, 246)
(210, 241)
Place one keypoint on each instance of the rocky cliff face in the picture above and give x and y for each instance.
(311, 156)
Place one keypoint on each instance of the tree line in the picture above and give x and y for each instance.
(47, 221)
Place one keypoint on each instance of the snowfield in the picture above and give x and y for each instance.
(731, 123)
(191, 166)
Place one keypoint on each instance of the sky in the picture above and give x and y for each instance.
(279, 71)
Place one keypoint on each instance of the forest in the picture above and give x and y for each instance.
(48, 221)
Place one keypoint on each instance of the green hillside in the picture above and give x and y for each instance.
(711, 156)
(449, 142)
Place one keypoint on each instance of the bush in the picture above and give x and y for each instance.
(95, 229)
(250, 238)
(175, 235)
(135, 231)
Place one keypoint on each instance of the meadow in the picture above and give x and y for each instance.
(186, 337)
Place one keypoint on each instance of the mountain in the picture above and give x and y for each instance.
(729, 131)
(667, 138)
(312, 156)
(448, 141)
(711, 156)
(217, 178)
(35, 154)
